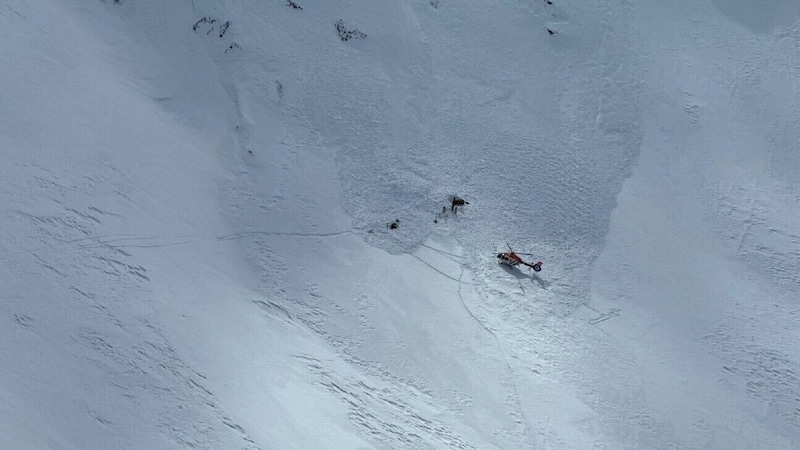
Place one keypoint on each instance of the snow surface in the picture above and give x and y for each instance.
(195, 197)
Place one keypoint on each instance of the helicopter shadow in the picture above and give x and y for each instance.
(522, 275)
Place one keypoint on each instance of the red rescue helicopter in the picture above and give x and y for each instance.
(511, 258)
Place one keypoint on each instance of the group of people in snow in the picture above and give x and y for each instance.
(455, 203)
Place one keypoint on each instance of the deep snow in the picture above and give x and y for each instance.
(195, 198)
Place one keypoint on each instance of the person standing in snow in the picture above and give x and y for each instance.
(457, 201)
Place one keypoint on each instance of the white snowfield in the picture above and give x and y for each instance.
(195, 198)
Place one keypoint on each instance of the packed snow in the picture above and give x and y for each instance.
(196, 198)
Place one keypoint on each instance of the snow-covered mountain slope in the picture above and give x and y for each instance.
(702, 254)
(195, 198)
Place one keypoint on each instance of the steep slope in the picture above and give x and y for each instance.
(409, 117)
(195, 206)
(96, 178)
(702, 252)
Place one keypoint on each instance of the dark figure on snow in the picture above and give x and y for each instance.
(457, 201)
